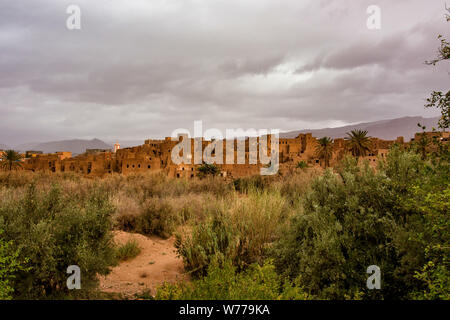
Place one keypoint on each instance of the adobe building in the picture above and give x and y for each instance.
(155, 155)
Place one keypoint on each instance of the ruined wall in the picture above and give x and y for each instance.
(155, 155)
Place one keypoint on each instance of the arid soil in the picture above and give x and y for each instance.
(156, 263)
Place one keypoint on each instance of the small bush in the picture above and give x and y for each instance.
(301, 165)
(207, 170)
(157, 218)
(128, 251)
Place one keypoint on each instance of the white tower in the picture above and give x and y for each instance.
(116, 147)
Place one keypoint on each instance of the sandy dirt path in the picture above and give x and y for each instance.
(157, 262)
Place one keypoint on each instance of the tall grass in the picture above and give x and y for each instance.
(128, 250)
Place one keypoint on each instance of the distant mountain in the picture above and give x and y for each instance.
(4, 147)
(385, 129)
(76, 146)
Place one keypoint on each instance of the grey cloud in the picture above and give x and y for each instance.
(143, 68)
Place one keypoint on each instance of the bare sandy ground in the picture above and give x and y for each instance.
(156, 264)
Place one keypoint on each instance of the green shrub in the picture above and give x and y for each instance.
(223, 282)
(239, 229)
(349, 223)
(52, 231)
(301, 165)
(9, 266)
(207, 170)
(157, 218)
(128, 251)
(211, 240)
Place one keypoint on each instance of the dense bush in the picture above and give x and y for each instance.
(52, 230)
(224, 282)
(361, 217)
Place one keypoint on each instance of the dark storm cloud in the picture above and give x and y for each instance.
(144, 68)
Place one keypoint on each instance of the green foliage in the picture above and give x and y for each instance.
(324, 149)
(53, 230)
(362, 217)
(207, 170)
(10, 159)
(322, 230)
(301, 165)
(128, 251)
(359, 143)
(239, 230)
(10, 264)
(439, 99)
(211, 240)
(223, 282)
(431, 198)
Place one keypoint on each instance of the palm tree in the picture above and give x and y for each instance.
(324, 150)
(10, 159)
(358, 143)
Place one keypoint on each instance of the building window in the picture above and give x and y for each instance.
(148, 166)
(128, 165)
(139, 165)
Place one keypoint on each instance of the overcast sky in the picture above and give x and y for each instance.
(142, 68)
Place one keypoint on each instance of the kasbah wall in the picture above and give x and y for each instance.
(155, 155)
